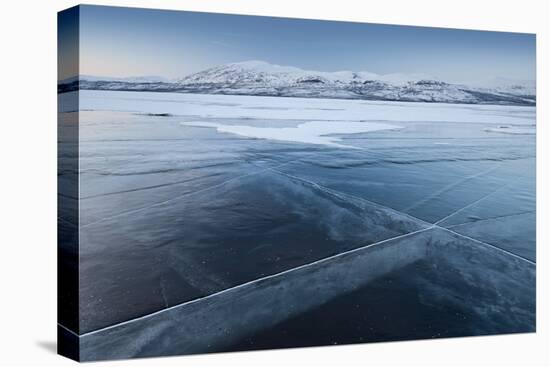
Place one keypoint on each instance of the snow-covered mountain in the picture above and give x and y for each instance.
(264, 79)
(507, 85)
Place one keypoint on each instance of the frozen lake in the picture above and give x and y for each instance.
(185, 195)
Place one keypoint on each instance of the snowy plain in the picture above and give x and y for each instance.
(257, 107)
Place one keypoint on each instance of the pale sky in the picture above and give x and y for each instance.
(122, 42)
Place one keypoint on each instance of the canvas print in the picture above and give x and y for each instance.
(234, 183)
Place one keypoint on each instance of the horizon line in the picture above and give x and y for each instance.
(175, 79)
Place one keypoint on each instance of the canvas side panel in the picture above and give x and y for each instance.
(68, 183)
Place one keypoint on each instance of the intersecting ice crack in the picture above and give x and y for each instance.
(325, 259)
(332, 192)
(431, 225)
(342, 195)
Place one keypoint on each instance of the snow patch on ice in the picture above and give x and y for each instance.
(293, 108)
(311, 132)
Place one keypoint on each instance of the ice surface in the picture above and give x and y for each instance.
(200, 243)
(428, 284)
(172, 211)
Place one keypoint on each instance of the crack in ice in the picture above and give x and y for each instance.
(491, 218)
(258, 280)
(472, 204)
(187, 194)
(430, 225)
(449, 187)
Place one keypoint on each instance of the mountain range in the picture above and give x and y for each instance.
(264, 79)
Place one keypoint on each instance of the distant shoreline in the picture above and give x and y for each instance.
(64, 88)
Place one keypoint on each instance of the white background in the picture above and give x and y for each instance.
(28, 182)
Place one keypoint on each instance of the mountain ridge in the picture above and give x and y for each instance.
(260, 78)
